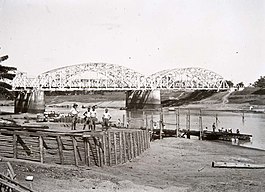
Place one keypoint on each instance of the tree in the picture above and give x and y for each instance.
(241, 84)
(230, 83)
(6, 75)
(260, 82)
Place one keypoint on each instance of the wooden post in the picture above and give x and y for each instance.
(98, 152)
(120, 147)
(123, 120)
(161, 125)
(135, 144)
(109, 147)
(124, 146)
(129, 120)
(41, 149)
(216, 120)
(142, 140)
(104, 148)
(60, 149)
(188, 124)
(75, 150)
(131, 145)
(143, 119)
(146, 120)
(88, 152)
(148, 139)
(139, 143)
(15, 146)
(177, 122)
(115, 147)
(85, 148)
(152, 126)
(200, 125)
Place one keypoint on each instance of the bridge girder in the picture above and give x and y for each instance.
(103, 76)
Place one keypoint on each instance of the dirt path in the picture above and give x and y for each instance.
(171, 164)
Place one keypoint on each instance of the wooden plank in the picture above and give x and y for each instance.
(11, 172)
(41, 149)
(104, 149)
(109, 148)
(131, 145)
(217, 164)
(142, 140)
(60, 148)
(75, 150)
(120, 146)
(124, 146)
(23, 144)
(115, 148)
(86, 152)
(15, 146)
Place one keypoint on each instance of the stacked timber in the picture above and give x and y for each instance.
(108, 148)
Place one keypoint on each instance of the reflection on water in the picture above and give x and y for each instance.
(247, 123)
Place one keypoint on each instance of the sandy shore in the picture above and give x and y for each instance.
(171, 164)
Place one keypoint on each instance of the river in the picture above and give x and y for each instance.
(247, 123)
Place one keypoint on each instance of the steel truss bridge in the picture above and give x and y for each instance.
(103, 76)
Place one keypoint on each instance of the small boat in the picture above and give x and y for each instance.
(221, 164)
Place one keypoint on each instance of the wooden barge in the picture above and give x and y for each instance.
(206, 135)
(225, 136)
(90, 148)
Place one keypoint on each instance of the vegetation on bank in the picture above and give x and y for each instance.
(6, 73)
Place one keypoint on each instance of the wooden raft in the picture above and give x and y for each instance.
(73, 148)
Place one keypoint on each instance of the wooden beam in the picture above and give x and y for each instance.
(60, 149)
(124, 146)
(41, 149)
(120, 146)
(115, 147)
(75, 150)
(104, 149)
(23, 144)
(109, 148)
(15, 146)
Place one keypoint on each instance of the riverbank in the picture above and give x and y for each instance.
(171, 164)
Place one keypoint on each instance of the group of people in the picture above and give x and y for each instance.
(90, 117)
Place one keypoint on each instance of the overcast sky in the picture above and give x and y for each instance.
(225, 36)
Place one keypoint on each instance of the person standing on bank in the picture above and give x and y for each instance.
(74, 115)
(87, 118)
(214, 127)
(93, 115)
(105, 118)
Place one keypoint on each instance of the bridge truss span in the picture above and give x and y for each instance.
(103, 76)
(188, 78)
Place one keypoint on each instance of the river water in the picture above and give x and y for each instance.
(247, 123)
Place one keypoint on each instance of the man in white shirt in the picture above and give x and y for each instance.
(74, 115)
(87, 118)
(105, 118)
(93, 115)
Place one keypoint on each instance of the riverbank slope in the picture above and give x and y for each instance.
(171, 164)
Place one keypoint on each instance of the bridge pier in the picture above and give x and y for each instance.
(30, 101)
(143, 99)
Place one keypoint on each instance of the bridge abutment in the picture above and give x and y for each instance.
(30, 101)
(142, 99)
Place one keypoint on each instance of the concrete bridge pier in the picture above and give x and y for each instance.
(143, 99)
(30, 102)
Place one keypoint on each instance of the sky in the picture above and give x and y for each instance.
(224, 36)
